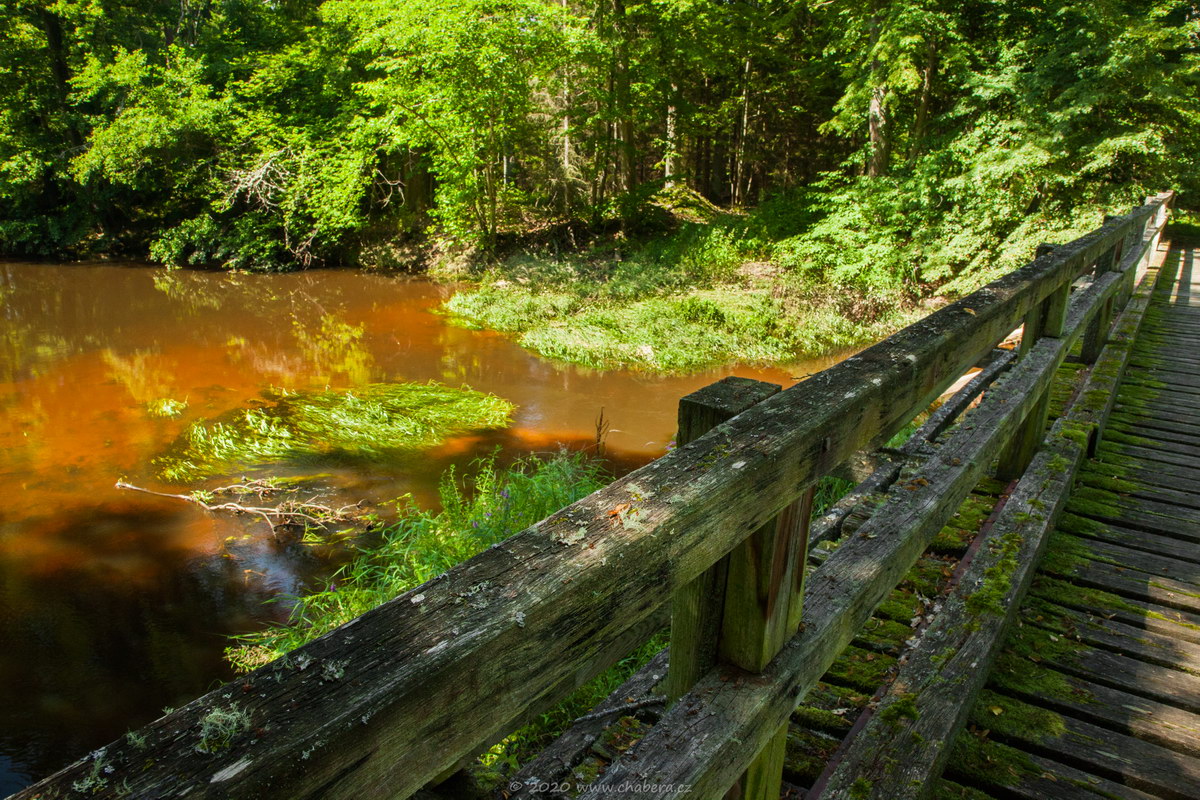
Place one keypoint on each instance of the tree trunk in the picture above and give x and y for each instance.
(736, 188)
(923, 106)
(877, 130)
(672, 138)
(624, 104)
(56, 45)
(877, 122)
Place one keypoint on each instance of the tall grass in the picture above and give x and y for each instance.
(476, 513)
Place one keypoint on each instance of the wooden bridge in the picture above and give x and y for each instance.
(1001, 608)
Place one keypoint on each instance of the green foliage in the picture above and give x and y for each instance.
(475, 514)
(893, 149)
(372, 421)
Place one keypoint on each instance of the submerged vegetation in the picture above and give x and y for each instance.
(370, 422)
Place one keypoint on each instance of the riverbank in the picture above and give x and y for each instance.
(691, 285)
(662, 316)
(700, 295)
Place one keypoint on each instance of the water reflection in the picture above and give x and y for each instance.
(114, 605)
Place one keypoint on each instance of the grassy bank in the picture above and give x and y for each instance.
(692, 286)
(703, 294)
(476, 513)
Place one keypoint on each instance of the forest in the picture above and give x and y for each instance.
(898, 147)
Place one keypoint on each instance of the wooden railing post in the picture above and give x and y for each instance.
(1046, 319)
(763, 601)
(697, 608)
(747, 606)
(1132, 243)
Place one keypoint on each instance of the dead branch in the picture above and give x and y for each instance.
(286, 513)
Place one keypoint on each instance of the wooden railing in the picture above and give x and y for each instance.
(716, 531)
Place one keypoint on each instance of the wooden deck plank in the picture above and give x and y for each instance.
(1149, 416)
(1135, 613)
(1117, 637)
(1128, 583)
(1137, 490)
(1012, 772)
(1159, 429)
(1146, 454)
(1152, 564)
(1183, 519)
(1158, 444)
(1129, 714)
(1181, 549)
(1098, 751)
(1135, 513)
(1176, 386)
(1160, 401)
(1167, 476)
(1175, 688)
(1179, 379)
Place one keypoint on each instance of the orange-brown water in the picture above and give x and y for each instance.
(115, 604)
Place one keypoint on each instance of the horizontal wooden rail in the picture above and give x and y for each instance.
(900, 759)
(708, 738)
(395, 698)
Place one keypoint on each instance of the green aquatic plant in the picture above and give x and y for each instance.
(166, 407)
(370, 422)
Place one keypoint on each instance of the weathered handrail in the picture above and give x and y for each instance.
(393, 699)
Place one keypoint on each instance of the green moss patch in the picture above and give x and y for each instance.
(1014, 719)
(987, 761)
(949, 790)
(807, 753)
(1017, 674)
(370, 422)
(860, 669)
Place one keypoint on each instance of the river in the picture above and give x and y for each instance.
(114, 604)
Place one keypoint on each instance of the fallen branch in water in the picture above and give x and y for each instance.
(288, 512)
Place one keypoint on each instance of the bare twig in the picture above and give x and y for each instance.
(288, 512)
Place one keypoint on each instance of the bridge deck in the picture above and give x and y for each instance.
(1097, 692)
